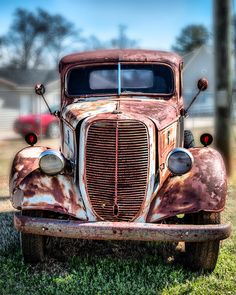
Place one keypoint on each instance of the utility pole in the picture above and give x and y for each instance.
(223, 79)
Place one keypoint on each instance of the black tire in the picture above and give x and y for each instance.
(53, 130)
(188, 139)
(202, 256)
(32, 246)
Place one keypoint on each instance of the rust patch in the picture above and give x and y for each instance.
(121, 230)
(53, 193)
(25, 161)
(117, 55)
(161, 112)
(17, 198)
(203, 188)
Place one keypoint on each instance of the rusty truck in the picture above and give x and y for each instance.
(126, 168)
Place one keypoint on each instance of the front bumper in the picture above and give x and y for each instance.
(121, 230)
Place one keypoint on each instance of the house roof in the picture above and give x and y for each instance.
(28, 77)
(203, 50)
(116, 55)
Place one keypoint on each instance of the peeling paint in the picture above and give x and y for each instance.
(118, 146)
(203, 188)
(122, 230)
(53, 193)
(25, 161)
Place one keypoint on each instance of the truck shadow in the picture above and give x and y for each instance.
(130, 260)
(62, 249)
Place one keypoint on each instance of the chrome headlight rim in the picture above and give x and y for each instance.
(182, 150)
(48, 153)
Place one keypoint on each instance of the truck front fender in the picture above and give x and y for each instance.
(25, 161)
(203, 188)
(32, 190)
(58, 193)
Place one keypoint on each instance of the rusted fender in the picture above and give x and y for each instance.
(56, 193)
(203, 188)
(25, 161)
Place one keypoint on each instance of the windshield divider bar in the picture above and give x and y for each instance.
(119, 79)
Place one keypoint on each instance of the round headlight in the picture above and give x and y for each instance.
(51, 162)
(179, 161)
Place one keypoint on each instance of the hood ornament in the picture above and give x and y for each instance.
(117, 110)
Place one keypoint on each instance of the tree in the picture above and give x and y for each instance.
(61, 34)
(21, 38)
(122, 41)
(191, 37)
(32, 35)
(93, 43)
(1, 46)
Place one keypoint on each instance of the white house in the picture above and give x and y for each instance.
(197, 64)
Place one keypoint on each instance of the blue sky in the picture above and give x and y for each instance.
(154, 23)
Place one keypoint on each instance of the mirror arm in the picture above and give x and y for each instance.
(50, 111)
(199, 91)
(40, 90)
(202, 85)
(56, 113)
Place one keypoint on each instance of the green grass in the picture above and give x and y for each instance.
(119, 268)
(105, 267)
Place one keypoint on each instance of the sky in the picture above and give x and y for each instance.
(155, 24)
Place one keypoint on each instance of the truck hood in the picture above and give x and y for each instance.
(161, 112)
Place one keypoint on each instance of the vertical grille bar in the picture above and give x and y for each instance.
(116, 168)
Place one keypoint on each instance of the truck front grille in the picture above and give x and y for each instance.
(116, 161)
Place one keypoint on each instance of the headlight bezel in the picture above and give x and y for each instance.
(188, 166)
(47, 154)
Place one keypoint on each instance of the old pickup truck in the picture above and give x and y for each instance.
(126, 168)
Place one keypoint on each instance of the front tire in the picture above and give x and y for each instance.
(203, 256)
(32, 246)
(188, 139)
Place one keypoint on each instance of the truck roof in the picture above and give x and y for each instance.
(120, 55)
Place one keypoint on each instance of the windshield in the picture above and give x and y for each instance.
(118, 79)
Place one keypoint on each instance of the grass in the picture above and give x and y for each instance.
(105, 267)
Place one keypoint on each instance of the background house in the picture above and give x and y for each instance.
(17, 95)
(197, 64)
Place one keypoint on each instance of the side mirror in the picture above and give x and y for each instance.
(39, 89)
(202, 85)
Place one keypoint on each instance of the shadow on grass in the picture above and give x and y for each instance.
(65, 250)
